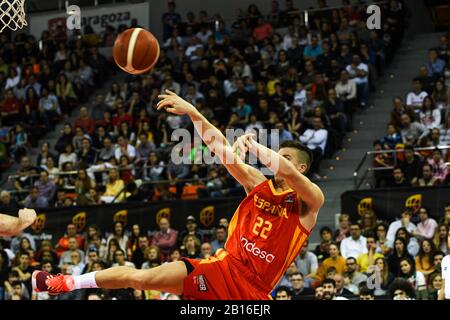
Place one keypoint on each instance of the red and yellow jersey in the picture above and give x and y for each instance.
(265, 233)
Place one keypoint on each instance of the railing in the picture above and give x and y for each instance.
(359, 179)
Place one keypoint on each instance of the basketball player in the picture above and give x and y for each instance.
(265, 234)
(11, 226)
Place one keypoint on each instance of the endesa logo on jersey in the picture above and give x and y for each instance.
(257, 252)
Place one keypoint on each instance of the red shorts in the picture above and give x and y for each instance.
(222, 277)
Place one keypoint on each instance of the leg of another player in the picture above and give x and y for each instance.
(167, 277)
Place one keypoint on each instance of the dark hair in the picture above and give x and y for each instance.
(221, 227)
(329, 281)
(411, 263)
(325, 228)
(365, 291)
(305, 153)
(283, 288)
(404, 285)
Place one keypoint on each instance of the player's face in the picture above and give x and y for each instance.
(292, 155)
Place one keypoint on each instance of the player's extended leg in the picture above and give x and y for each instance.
(167, 277)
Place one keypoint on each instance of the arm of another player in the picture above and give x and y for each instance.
(246, 175)
(308, 191)
(11, 226)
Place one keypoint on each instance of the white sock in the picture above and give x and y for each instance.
(85, 281)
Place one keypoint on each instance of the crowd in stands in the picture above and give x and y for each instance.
(421, 120)
(262, 71)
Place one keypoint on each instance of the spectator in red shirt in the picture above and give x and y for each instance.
(85, 122)
(166, 238)
(63, 243)
(122, 116)
(262, 31)
(10, 111)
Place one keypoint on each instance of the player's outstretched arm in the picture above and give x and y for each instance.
(307, 190)
(11, 226)
(246, 175)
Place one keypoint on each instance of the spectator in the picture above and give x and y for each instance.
(49, 108)
(262, 31)
(424, 259)
(170, 20)
(427, 178)
(35, 201)
(404, 222)
(152, 257)
(220, 238)
(322, 248)
(398, 179)
(67, 156)
(46, 187)
(119, 235)
(399, 252)
(107, 151)
(124, 148)
(366, 294)
(335, 260)
(7, 203)
(367, 260)
(299, 290)
(359, 72)
(401, 289)
(440, 237)
(119, 260)
(435, 65)
(85, 122)
(313, 50)
(415, 98)
(315, 139)
(392, 139)
(66, 256)
(398, 110)
(98, 107)
(411, 165)
(144, 148)
(427, 226)
(355, 244)
(166, 238)
(329, 290)
(10, 109)
(87, 156)
(413, 132)
(283, 293)
(307, 264)
(430, 115)
(438, 166)
(415, 278)
(346, 90)
(191, 229)
(115, 188)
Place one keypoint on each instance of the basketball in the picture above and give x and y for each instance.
(136, 50)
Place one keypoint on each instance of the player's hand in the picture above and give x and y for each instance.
(174, 104)
(26, 217)
(243, 144)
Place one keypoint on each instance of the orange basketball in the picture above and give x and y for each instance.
(136, 50)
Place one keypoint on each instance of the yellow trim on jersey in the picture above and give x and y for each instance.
(220, 255)
(295, 246)
(275, 192)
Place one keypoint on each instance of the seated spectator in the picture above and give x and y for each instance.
(438, 166)
(412, 132)
(329, 291)
(153, 168)
(415, 278)
(243, 110)
(119, 260)
(166, 238)
(262, 31)
(124, 148)
(435, 65)
(424, 259)
(359, 72)
(86, 156)
(190, 247)
(401, 289)
(99, 107)
(398, 179)
(307, 264)
(353, 274)
(78, 138)
(399, 108)
(411, 164)
(299, 290)
(392, 139)
(415, 98)
(35, 201)
(83, 183)
(429, 115)
(18, 140)
(347, 92)
(321, 250)
(46, 187)
(342, 286)
(312, 50)
(49, 108)
(427, 226)
(335, 260)
(399, 251)
(191, 229)
(85, 122)
(434, 286)
(144, 148)
(335, 112)
(355, 244)
(283, 293)
(427, 178)
(10, 109)
(67, 156)
(152, 257)
(66, 94)
(6, 202)
(65, 139)
(66, 256)
(411, 242)
(366, 294)
(122, 116)
(115, 188)
(315, 139)
(440, 237)
(220, 238)
(440, 94)
(404, 222)
(107, 151)
(63, 242)
(25, 173)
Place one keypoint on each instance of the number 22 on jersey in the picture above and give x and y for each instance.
(262, 227)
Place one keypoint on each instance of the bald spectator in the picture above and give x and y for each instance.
(166, 238)
(85, 122)
(7, 203)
